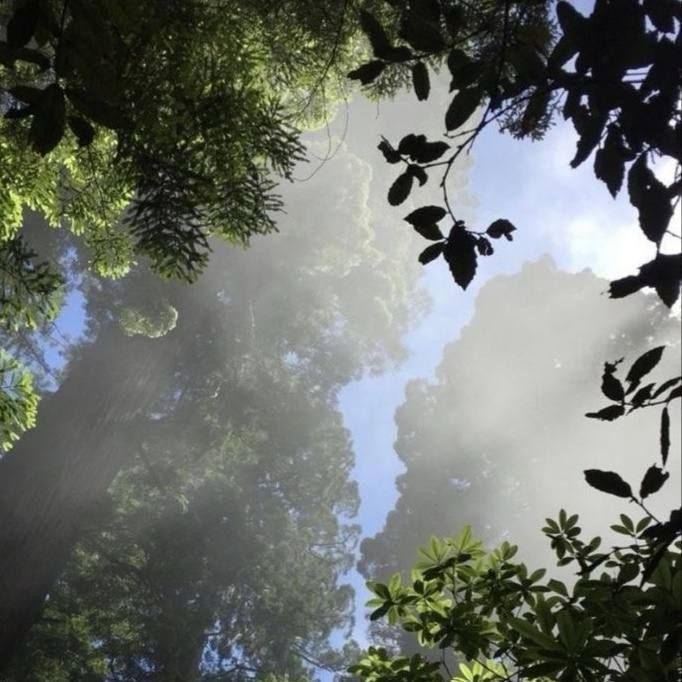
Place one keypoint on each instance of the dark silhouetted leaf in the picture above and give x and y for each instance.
(83, 131)
(662, 14)
(431, 232)
(665, 435)
(501, 228)
(643, 365)
(607, 414)
(666, 385)
(15, 114)
(418, 173)
(430, 151)
(420, 81)
(426, 215)
(609, 161)
(620, 288)
(381, 45)
(431, 252)
(608, 482)
(368, 73)
(536, 110)
(653, 481)
(642, 395)
(22, 25)
(610, 386)
(411, 144)
(655, 211)
(590, 129)
(100, 112)
(675, 393)
(564, 50)
(27, 94)
(49, 121)
(485, 248)
(572, 23)
(639, 177)
(400, 189)
(460, 253)
(463, 69)
(421, 34)
(391, 155)
(463, 105)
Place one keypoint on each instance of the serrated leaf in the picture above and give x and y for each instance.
(420, 81)
(461, 108)
(431, 252)
(653, 480)
(665, 435)
(607, 414)
(400, 189)
(608, 482)
(460, 253)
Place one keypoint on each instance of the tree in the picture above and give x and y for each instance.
(263, 342)
(145, 130)
(509, 57)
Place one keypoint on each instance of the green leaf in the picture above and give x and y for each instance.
(461, 108)
(420, 81)
(608, 482)
(653, 481)
(368, 73)
(400, 189)
(665, 435)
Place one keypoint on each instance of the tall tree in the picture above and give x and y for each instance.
(277, 324)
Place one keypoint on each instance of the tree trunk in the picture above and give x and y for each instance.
(59, 472)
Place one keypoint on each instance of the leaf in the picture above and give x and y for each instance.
(368, 73)
(380, 612)
(417, 172)
(643, 365)
(390, 154)
(83, 131)
(460, 253)
(426, 215)
(378, 39)
(564, 50)
(49, 121)
(420, 81)
(430, 151)
(620, 288)
(463, 69)
(485, 248)
(662, 14)
(572, 23)
(95, 109)
(463, 105)
(22, 25)
(400, 189)
(665, 435)
(535, 111)
(641, 396)
(609, 161)
(607, 414)
(655, 211)
(431, 252)
(411, 144)
(501, 228)
(666, 385)
(653, 481)
(421, 34)
(608, 482)
(590, 129)
(26, 93)
(610, 386)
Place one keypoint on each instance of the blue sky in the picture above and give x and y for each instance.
(558, 211)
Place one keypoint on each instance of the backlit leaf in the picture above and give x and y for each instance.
(608, 482)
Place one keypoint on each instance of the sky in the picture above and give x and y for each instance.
(559, 211)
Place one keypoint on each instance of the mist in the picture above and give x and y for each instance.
(200, 491)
